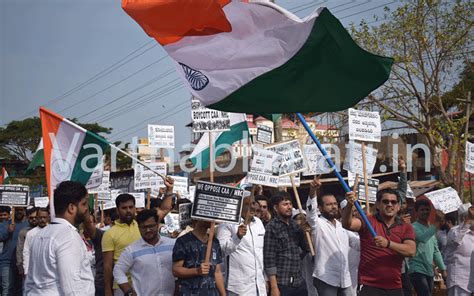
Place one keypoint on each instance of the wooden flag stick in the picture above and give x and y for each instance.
(366, 182)
(13, 216)
(211, 178)
(148, 198)
(96, 203)
(298, 202)
(102, 213)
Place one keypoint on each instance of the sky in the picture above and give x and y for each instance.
(89, 60)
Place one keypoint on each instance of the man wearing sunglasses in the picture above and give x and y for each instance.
(381, 257)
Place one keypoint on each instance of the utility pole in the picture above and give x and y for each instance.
(468, 103)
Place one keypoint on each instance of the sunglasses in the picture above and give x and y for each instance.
(392, 202)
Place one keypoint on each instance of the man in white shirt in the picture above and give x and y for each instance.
(460, 249)
(331, 242)
(244, 246)
(149, 260)
(59, 263)
(42, 218)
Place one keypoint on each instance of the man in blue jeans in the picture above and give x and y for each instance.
(421, 266)
(9, 235)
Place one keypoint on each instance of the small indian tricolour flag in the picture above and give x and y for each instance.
(70, 151)
(4, 179)
(37, 160)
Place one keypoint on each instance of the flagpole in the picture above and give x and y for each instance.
(211, 178)
(338, 175)
(137, 160)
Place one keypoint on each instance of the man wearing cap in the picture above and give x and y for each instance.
(331, 242)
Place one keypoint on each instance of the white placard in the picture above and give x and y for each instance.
(353, 161)
(145, 178)
(470, 157)
(286, 181)
(364, 125)
(192, 192)
(161, 136)
(265, 167)
(317, 163)
(41, 201)
(293, 157)
(139, 199)
(264, 134)
(110, 204)
(96, 179)
(171, 223)
(104, 185)
(208, 120)
(446, 200)
(261, 179)
(180, 184)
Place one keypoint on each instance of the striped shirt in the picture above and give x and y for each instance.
(150, 267)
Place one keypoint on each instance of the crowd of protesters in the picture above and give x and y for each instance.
(266, 254)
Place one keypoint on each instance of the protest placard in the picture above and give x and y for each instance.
(41, 201)
(104, 195)
(208, 120)
(161, 136)
(145, 178)
(364, 125)
(96, 179)
(265, 167)
(353, 160)
(14, 195)
(373, 185)
(192, 193)
(286, 181)
(293, 157)
(109, 203)
(217, 203)
(180, 185)
(317, 163)
(264, 134)
(171, 223)
(185, 215)
(470, 157)
(446, 200)
(104, 186)
(139, 199)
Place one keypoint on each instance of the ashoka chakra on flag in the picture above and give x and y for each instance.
(196, 79)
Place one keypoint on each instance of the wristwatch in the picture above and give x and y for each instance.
(129, 292)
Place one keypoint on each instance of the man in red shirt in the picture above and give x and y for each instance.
(381, 257)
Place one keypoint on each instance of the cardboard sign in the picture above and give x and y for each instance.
(180, 184)
(14, 195)
(446, 200)
(185, 215)
(364, 126)
(373, 187)
(192, 193)
(171, 223)
(317, 163)
(41, 201)
(208, 120)
(145, 178)
(104, 186)
(104, 195)
(286, 181)
(470, 157)
(216, 202)
(161, 136)
(293, 157)
(353, 161)
(264, 134)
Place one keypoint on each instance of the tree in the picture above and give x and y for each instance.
(19, 139)
(430, 41)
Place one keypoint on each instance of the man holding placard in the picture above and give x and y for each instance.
(244, 245)
(381, 256)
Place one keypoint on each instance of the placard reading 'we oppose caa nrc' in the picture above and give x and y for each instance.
(14, 195)
(208, 120)
(364, 126)
(216, 202)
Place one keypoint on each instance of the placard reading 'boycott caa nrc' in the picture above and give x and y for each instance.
(145, 178)
(161, 136)
(265, 168)
(446, 200)
(469, 157)
(14, 195)
(208, 120)
(353, 161)
(293, 161)
(264, 134)
(216, 202)
(364, 125)
(317, 163)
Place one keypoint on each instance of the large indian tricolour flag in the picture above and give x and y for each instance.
(241, 56)
(70, 151)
